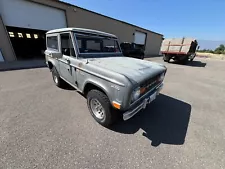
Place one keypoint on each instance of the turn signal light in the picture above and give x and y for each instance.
(116, 105)
(142, 90)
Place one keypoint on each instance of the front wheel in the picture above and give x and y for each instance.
(142, 57)
(100, 108)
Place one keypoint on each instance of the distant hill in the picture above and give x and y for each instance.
(208, 44)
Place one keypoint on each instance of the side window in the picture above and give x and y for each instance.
(67, 45)
(79, 43)
(52, 42)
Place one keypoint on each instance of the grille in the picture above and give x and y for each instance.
(150, 83)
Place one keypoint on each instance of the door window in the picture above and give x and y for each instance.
(20, 35)
(52, 42)
(67, 45)
(11, 34)
(28, 35)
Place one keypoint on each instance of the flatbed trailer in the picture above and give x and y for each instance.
(179, 49)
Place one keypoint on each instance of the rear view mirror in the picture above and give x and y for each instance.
(198, 47)
(66, 52)
(57, 55)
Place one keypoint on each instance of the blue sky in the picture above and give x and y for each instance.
(201, 19)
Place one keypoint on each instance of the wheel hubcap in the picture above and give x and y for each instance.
(56, 79)
(97, 109)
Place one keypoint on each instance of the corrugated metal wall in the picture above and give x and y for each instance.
(78, 17)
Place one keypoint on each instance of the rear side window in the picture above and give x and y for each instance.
(52, 42)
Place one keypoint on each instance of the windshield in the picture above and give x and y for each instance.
(93, 44)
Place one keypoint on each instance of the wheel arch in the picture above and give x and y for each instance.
(89, 85)
(51, 63)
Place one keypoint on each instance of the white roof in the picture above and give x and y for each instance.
(83, 30)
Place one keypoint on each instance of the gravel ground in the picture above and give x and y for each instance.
(42, 126)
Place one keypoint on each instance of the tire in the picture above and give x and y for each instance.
(56, 78)
(109, 114)
(192, 58)
(142, 57)
(166, 58)
(184, 61)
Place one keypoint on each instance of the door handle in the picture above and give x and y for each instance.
(68, 61)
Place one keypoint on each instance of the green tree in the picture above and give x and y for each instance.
(220, 49)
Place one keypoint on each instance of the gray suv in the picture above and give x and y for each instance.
(92, 62)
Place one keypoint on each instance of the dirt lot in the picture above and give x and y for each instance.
(211, 55)
(42, 126)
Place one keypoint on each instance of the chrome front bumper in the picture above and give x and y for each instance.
(148, 99)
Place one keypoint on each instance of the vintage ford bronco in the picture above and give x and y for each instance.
(92, 62)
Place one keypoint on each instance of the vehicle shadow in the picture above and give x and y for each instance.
(67, 86)
(164, 121)
(194, 63)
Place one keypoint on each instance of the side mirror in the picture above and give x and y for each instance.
(66, 52)
(198, 47)
(56, 55)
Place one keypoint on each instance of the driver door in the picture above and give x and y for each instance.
(67, 72)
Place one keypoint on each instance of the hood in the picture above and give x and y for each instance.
(136, 70)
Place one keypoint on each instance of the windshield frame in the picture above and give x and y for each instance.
(96, 54)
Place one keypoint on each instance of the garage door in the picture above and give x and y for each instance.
(25, 14)
(139, 38)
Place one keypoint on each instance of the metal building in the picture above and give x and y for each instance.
(23, 24)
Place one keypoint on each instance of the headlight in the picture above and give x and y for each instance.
(161, 77)
(136, 94)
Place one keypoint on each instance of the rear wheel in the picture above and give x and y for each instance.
(192, 57)
(100, 108)
(166, 58)
(56, 78)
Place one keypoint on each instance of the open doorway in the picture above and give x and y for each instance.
(28, 44)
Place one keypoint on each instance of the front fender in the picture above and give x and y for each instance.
(105, 87)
